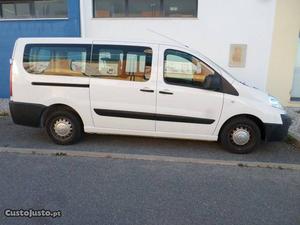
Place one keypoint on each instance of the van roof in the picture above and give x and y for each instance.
(90, 40)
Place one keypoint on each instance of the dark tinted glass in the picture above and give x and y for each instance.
(109, 8)
(11, 10)
(33, 9)
(146, 8)
(51, 9)
(179, 8)
(23, 10)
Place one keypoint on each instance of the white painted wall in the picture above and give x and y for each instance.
(298, 55)
(219, 24)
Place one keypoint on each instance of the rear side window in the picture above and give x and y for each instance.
(127, 63)
(56, 59)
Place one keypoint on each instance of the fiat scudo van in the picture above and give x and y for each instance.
(71, 86)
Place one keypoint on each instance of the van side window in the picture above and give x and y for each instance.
(127, 63)
(181, 68)
(56, 59)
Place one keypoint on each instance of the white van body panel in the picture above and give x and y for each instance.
(24, 91)
(251, 102)
(126, 96)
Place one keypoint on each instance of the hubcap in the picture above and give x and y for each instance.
(240, 136)
(63, 128)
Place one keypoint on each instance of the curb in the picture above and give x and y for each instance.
(116, 156)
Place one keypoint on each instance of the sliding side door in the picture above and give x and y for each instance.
(123, 87)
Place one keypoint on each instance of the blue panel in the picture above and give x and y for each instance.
(12, 30)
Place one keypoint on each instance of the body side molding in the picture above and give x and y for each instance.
(60, 84)
(152, 116)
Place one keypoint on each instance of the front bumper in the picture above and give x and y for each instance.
(278, 132)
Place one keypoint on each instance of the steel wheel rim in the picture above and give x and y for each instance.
(240, 136)
(62, 128)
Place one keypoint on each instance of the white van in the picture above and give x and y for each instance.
(71, 86)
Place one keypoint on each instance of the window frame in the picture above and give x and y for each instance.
(31, 10)
(26, 56)
(189, 85)
(126, 49)
(162, 12)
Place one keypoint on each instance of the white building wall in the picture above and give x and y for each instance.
(219, 24)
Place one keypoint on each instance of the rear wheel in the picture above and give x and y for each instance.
(64, 127)
(240, 135)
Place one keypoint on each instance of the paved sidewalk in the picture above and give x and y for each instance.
(4, 106)
(295, 128)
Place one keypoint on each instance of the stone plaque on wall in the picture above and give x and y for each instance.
(238, 55)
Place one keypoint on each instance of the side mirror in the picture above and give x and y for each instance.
(213, 82)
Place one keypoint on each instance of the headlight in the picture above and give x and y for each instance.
(275, 103)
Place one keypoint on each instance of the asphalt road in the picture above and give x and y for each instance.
(24, 137)
(106, 191)
(110, 191)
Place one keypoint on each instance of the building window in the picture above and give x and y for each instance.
(109, 8)
(145, 8)
(179, 8)
(125, 63)
(56, 60)
(33, 9)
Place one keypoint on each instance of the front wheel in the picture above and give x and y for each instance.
(240, 135)
(64, 127)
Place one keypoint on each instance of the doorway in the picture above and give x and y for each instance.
(296, 83)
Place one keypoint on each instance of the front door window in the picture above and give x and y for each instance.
(183, 69)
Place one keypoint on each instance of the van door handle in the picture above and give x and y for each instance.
(148, 90)
(166, 92)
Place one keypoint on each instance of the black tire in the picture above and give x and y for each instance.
(71, 122)
(244, 124)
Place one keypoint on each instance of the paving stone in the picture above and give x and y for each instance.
(294, 113)
(4, 108)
